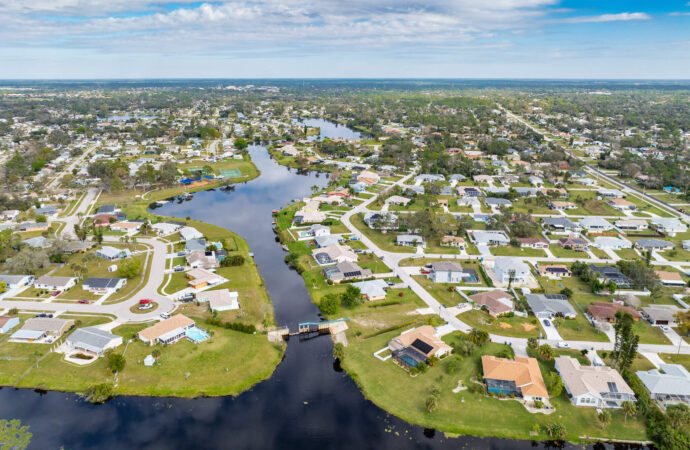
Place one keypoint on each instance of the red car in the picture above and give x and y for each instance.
(424, 271)
(144, 301)
(84, 301)
(56, 293)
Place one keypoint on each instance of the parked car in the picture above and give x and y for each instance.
(563, 344)
(56, 293)
(182, 253)
(145, 306)
(547, 323)
(664, 328)
(178, 268)
(84, 301)
(165, 316)
(187, 297)
(48, 315)
(144, 301)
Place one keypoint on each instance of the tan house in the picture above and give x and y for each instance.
(167, 331)
(418, 345)
(453, 241)
(520, 377)
(496, 302)
(596, 386)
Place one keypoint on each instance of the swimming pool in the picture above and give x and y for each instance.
(196, 335)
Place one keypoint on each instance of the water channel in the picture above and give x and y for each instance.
(307, 403)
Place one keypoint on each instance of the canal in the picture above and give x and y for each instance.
(307, 403)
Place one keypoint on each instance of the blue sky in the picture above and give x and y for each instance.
(344, 38)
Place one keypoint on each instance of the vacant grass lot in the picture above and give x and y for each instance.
(509, 250)
(504, 326)
(560, 252)
(384, 241)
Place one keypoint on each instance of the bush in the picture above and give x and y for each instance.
(339, 351)
(99, 393)
(236, 326)
(422, 367)
(233, 260)
(116, 362)
(453, 365)
(329, 305)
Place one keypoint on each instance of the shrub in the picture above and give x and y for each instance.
(99, 393)
(116, 362)
(422, 367)
(233, 260)
(339, 351)
(329, 305)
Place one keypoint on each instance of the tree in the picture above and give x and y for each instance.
(351, 297)
(567, 292)
(241, 143)
(99, 393)
(545, 352)
(14, 436)
(478, 337)
(532, 343)
(554, 430)
(329, 305)
(232, 260)
(431, 403)
(604, 417)
(129, 268)
(554, 384)
(167, 174)
(156, 353)
(339, 351)
(464, 348)
(629, 409)
(511, 277)
(116, 362)
(625, 343)
(678, 415)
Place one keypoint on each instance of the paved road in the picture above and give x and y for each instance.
(68, 230)
(73, 165)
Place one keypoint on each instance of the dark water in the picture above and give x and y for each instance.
(305, 404)
(331, 130)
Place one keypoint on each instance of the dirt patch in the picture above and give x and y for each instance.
(528, 326)
(505, 325)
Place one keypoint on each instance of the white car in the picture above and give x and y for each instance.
(165, 316)
(664, 328)
(563, 344)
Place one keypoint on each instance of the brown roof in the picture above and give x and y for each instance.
(491, 300)
(608, 310)
(532, 240)
(523, 371)
(4, 320)
(165, 326)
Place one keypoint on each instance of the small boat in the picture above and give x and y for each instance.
(275, 211)
(251, 254)
(273, 223)
(285, 247)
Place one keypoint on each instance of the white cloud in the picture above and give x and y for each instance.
(609, 18)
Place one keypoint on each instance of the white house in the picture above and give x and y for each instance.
(446, 272)
(220, 300)
(505, 267)
(610, 242)
(55, 283)
(112, 253)
(595, 224)
(16, 281)
(669, 225)
(189, 233)
(7, 323)
(92, 340)
(595, 386)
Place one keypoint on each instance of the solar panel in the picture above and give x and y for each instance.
(422, 346)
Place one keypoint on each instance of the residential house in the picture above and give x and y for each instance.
(445, 272)
(672, 279)
(496, 302)
(189, 233)
(372, 290)
(631, 224)
(654, 244)
(611, 274)
(333, 254)
(167, 331)
(561, 206)
(398, 200)
(126, 226)
(497, 202)
(554, 271)
(106, 209)
(596, 386)
(595, 224)
(368, 177)
(610, 193)
(201, 278)
(330, 239)
(346, 271)
(319, 230)
(429, 178)
(380, 221)
(669, 384)
(669, 225)
(610, 242)
(410, 240)
(193, 245)
(201, 259)
(488, 237)
(606, 311)
(621, 204)
(469, 191)
(7, 323)
(103, 285)
(661, 314)
(574, 243)
(55, 283)
(559, 224)
(418, 345)
(539, 243)
(453, 241)
(38, 328)
(507, 268)
(309, 217)
(16, 281)
(36, 242)
(520, 377)
(165, 228)
(112, 253)
(33, 226)
(220, 300)
(547, 306)
(92, 341)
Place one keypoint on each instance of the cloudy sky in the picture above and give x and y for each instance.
(344, 38)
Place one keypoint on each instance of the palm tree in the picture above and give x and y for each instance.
(629, 409)
(604, 417)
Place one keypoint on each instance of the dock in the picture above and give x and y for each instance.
(308, 330)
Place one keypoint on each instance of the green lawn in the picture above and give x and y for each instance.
(627, 253)
(509, 250)
(384, 241)
(578, 329)
(672, 358)
(560, 252)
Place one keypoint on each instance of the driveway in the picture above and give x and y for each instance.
(550, 330)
